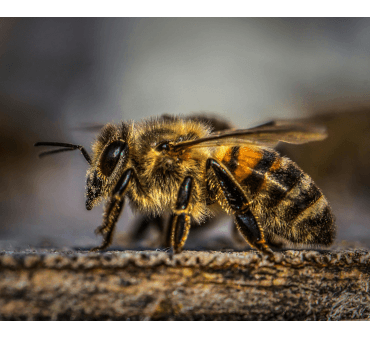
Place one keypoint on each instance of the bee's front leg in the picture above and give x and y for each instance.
(113, 210)
(180, 222)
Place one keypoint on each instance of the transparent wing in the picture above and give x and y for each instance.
(268, 134)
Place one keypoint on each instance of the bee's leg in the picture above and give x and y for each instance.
(167, 233)
(237, 237)
(166, 242)
(181, 219)
(113, 210)
(245, 221)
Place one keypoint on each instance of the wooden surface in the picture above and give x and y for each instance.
(194, 285)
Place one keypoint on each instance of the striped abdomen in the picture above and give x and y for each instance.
(284, 199)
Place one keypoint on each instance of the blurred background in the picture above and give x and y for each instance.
(58, 75)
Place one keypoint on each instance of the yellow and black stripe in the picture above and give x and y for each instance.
(283, 175)
(278, 187)
(255, 181)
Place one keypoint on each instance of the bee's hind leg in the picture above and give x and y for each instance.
(247, 225)
(245, 221)
(181, 219)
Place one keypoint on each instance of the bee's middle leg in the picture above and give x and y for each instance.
(181, 219)
(245, 221)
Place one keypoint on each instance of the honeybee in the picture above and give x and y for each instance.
(179, 166)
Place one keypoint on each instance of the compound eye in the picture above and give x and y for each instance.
(111, 156)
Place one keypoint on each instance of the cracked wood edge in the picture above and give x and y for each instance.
(305, 284)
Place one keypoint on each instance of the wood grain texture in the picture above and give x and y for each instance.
(193, 285)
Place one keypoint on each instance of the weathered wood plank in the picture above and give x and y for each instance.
(194, 285)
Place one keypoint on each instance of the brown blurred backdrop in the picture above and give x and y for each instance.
(58, 74)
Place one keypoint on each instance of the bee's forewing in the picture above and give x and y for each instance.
(268, 134)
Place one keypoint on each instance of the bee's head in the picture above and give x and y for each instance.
(110, 155)
(108, 160)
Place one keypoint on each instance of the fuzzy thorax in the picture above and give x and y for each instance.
(160, 172)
